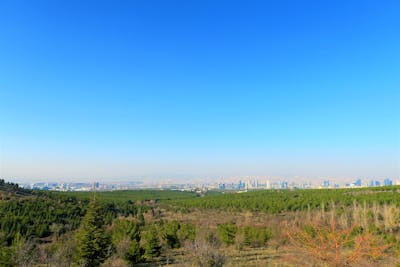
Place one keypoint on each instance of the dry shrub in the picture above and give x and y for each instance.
(204, 251)
(326, 244)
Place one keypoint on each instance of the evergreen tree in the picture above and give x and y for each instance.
(93, 243)
(170, 234)
(134, 253)
(153, 246)
(140, 217)
(134, 233)
(126, 229)
(6, 256)
(227, 233)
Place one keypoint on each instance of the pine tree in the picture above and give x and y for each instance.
(227, 233)
(153, 246)
(6, 256)
(141, 220)
(170, 234)
(134, 253)
(93, 243)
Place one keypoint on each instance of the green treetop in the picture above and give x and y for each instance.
(93, 244)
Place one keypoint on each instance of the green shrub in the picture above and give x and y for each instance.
(227, 233)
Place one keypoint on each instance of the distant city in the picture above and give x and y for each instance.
(236, 184)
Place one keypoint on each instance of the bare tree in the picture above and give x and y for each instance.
(328, 244)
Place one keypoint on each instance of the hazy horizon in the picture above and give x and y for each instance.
(102, 90)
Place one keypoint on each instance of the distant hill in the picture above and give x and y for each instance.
(12, 190)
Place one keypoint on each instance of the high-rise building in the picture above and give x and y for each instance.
(387, 182)
(357, 182)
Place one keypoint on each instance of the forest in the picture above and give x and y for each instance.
(318, 227)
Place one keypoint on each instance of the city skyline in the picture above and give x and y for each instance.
(236, 184)
(207, 180)
(190, 90)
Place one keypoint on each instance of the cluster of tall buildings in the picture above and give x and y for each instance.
(238, 184)
(251, 184)
(372, 183)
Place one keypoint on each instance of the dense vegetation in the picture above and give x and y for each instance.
(37, 217)
(156, 227)
(278, 201)
(133, 195)
(38, 214)
(42, 214)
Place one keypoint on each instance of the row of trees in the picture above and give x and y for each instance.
(278, 201)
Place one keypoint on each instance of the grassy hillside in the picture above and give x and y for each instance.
(12, 190)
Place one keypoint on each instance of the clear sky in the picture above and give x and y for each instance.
(127, 89)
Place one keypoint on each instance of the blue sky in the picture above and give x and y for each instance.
(127, 89)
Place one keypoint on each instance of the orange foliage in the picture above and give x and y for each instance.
(330, 245)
